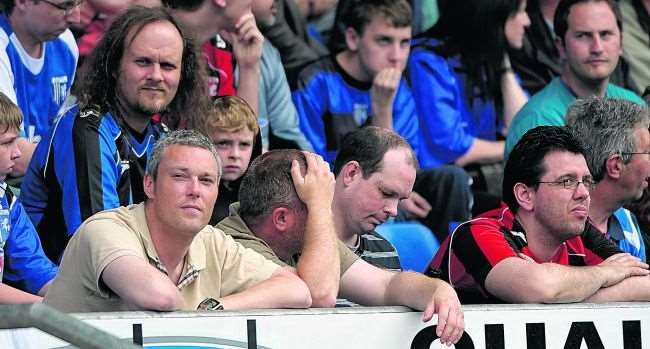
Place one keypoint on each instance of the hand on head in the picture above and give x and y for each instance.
(316, 186)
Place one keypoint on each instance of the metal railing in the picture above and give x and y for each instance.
(60, 325)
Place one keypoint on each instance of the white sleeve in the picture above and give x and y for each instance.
(68, 38)
(6, 74)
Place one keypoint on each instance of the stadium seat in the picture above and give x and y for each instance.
(415, 243)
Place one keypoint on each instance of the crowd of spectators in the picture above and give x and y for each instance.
(233, 154)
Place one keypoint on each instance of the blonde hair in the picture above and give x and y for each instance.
(10, 115)
(231, 114)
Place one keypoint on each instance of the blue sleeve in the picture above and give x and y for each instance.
(632, 240)
(89, 175)
(405, 116)
(642, 252)
(25, 262)
(439, 102)
(308, 100)
(639, 233)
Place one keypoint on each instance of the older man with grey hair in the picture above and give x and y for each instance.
(160, 255)
(617, 142)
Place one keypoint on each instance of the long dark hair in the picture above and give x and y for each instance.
(99, 79)
(474, 31)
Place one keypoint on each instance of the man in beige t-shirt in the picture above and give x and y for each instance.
(286, 208)
(160, 255)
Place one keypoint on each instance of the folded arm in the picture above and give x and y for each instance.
(282, 290)
(517, 280)
(10, 295)
(635, 288)
(142, 285)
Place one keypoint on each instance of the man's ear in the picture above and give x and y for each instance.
(352, 39)
(350, 172)
(525, 196)
(148, 185)
(20, 4)
(281, 217)
(614, 166)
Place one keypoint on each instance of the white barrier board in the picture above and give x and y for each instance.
(575, 326)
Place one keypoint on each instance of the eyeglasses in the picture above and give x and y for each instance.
(637, 152)
(572, 183)
(66, 6)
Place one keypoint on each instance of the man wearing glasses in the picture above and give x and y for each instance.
(38, 59)
(617, 144)
(536, 249)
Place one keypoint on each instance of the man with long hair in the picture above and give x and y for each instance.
(145, 68)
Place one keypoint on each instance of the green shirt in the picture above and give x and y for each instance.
(549, 106)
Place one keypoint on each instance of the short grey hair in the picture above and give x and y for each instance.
(606, 126)
(190, 138)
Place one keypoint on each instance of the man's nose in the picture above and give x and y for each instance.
(391, 207)
(155, 73)
(73, 16)
(581, 191)
(596, 44)
(15, 152)
(193, 187)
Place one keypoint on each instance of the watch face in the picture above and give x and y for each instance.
(210, 304)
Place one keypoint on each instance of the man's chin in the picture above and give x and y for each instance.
(368, 228)
(152, 108)
(577, 227)
(598, 76)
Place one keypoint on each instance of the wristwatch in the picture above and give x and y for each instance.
(210, 304)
